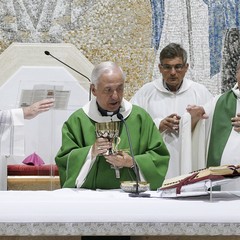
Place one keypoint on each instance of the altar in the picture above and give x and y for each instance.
(74, 212)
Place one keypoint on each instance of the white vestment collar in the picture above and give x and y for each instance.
(158, 83)
(92, 112)
(236, 91)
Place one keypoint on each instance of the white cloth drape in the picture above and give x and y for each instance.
(201, 139)
(160, 103)
(12, 132)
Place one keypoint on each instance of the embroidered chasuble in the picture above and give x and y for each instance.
(78, 136)
(224, 110)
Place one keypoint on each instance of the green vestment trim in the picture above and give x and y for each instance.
(225, 109)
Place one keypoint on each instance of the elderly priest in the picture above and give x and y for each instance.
(84, 160)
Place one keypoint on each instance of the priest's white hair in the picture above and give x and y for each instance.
(104, 67)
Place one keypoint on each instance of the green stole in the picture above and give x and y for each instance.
(225, 109)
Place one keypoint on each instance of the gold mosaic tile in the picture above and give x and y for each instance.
(103, 30)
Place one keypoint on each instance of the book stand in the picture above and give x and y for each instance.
(203, 187)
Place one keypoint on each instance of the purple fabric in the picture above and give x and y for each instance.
(33, 159)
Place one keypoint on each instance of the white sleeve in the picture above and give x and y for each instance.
(85, 169)
(12, 132)
(201, 136)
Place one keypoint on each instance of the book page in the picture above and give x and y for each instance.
(40, 92)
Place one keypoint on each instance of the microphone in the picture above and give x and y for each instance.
(135, 166)
(49, 54)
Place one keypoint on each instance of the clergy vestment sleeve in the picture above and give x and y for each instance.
(153, 156)
(12, 132)
(76, 143)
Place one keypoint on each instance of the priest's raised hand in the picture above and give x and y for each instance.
(37, 108)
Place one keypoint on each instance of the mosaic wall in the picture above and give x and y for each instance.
(209, 30)
(132, 33)
(101, 29)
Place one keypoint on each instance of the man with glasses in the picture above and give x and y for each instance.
(167, 98)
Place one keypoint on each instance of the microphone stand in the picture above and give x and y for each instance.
(135, 167)
(49, 54)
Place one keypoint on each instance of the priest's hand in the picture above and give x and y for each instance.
(121, 159)
(197, 113)
(37, 108)
(100, 147)
(170, 123)
(236, 123)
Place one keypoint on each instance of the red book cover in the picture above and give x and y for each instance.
(199, 181)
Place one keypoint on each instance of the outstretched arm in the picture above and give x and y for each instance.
(37, 108)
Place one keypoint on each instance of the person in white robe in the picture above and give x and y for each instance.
(216, 137)
(12, 125)
(166, 100)
(12, 132)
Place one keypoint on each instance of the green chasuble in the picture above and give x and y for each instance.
(78, 135)
(224, 110)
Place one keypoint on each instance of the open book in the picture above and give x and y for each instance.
(198, 182)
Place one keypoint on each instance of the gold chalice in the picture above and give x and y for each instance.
(109, 130)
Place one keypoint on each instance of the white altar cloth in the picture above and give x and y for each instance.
(113, 212)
